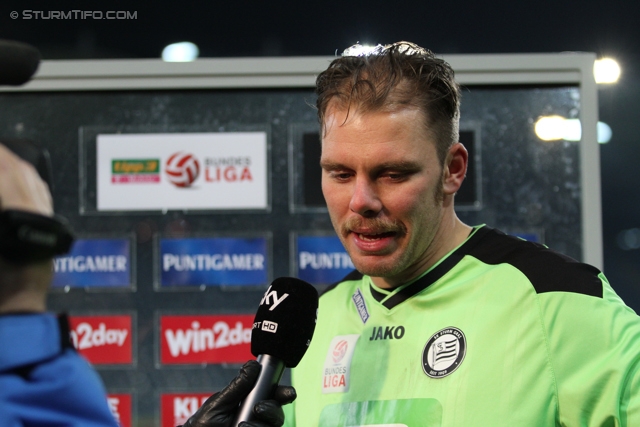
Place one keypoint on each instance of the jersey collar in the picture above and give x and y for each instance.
(394, 298)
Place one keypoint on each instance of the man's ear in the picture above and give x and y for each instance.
(455, 168)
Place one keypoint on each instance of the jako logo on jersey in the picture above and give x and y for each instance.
(272, 295)
(386, 333)
(182, 169)
(444, 352)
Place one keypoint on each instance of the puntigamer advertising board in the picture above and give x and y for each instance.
(322, 260)
(95, 263)
(229, 261)
(182, 171)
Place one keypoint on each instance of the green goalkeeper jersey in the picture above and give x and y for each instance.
(501, 332)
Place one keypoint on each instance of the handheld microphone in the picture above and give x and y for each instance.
(282, 331)
(18, 62)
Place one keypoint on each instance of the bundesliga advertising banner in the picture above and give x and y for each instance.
(322, 260)
(103, 340)
(199, 339)
(213, 261)
(94, 263)
(198, 171)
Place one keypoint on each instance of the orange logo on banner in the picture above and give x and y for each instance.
(103, 339)
(205, 339)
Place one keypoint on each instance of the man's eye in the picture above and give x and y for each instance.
(340, 176)
(396, 176)
(343, 175)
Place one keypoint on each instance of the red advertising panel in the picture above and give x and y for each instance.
(103, 339)
(176, 408)
(196, 339)
(120, 405)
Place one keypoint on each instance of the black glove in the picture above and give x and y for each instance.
(222, 408)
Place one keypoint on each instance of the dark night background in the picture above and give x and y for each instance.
(278, 28)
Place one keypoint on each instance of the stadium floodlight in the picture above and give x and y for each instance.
(555, 128)
(606, 71)
(180, 52)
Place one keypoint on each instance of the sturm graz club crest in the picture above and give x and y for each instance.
(444, 352)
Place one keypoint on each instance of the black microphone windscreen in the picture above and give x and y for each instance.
(285, 320)
(18, 62)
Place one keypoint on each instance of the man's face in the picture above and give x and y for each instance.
(382, 182)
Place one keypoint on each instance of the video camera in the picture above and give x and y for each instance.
(26, 237)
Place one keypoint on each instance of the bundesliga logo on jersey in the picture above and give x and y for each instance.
(337, 364)
(340, 350)
(444, 352)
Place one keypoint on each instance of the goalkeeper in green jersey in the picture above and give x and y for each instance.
(445, 324)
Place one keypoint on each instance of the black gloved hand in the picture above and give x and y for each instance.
(220, 409)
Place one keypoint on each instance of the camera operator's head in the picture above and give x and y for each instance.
(30, 234)
(23, 285)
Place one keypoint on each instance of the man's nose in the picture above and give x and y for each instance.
(365, 200)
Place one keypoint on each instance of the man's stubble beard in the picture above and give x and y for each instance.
(404, 261)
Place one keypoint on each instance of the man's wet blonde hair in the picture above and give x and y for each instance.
(393, 77)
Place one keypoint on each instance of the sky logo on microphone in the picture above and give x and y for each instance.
(269, 326)
(272, 295)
